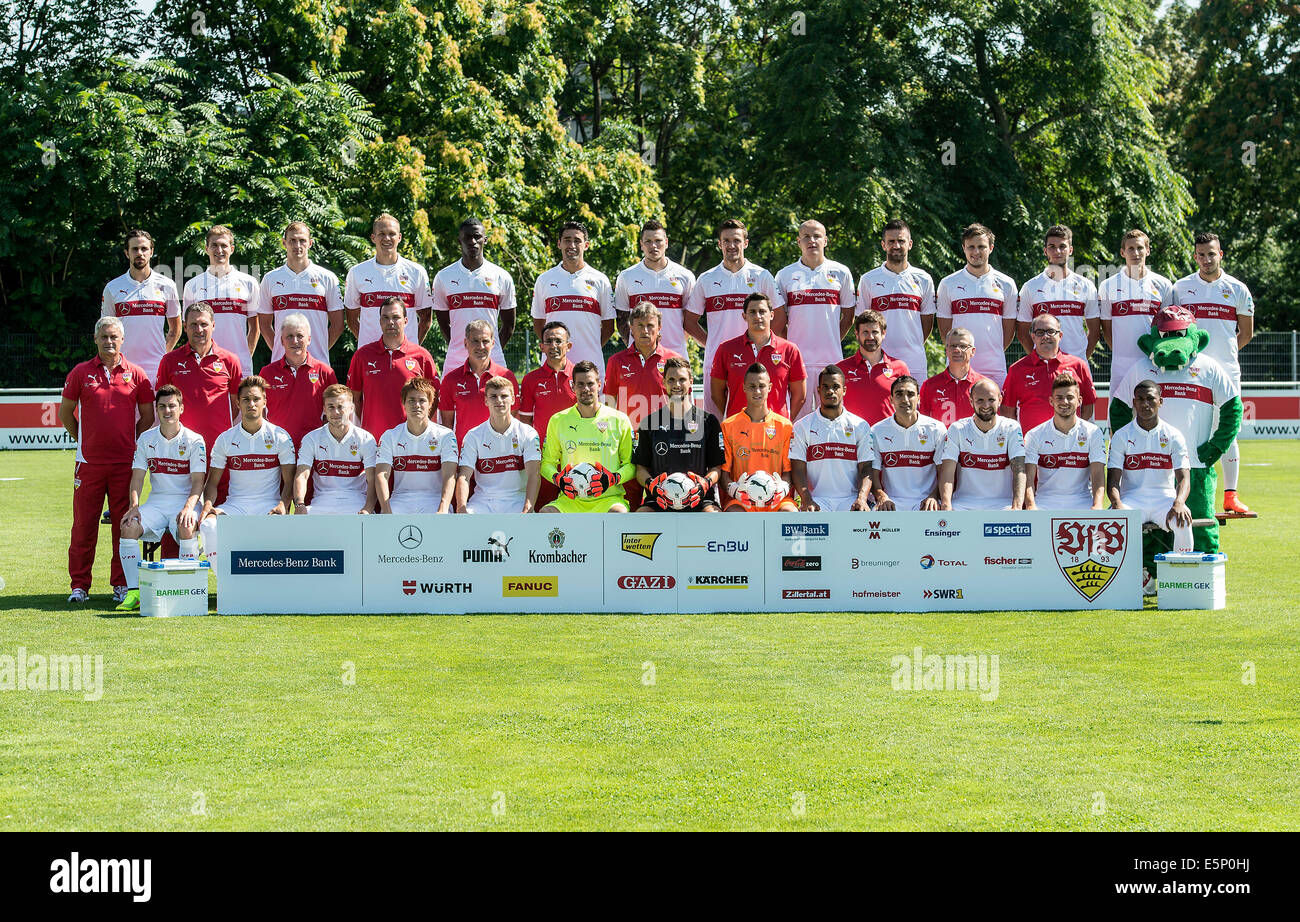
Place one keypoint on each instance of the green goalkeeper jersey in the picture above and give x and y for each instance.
(605, 438)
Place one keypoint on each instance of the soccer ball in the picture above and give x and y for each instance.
(675, 489)
(583, 474)
(760, 488)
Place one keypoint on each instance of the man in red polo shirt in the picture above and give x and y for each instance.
(463, 406)
(295, 385)
(634, 378)
(548, 389)
(1029, 381)
(946, 396)
(379, 370)
(104, 393)
(781, 358)
(207, 375)
(870, 372)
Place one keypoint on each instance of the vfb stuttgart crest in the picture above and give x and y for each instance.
(1089, 551)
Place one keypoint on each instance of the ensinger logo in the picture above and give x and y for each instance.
(530, 586)
(801, 563)
(641, 544)
(805, 593)
(1008, 529)
(817, 530)
(647, 582)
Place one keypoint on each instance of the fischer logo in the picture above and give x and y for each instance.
(1008, 530)
(805, 593)
(647, 582)
(1008, 561)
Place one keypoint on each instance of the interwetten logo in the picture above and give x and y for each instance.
(641, 544)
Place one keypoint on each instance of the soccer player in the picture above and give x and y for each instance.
(415, 469)
(300, 286)
(577, 294)
(719, 297)
(946, 396)
(463, 406)
(1224, 308)
(831, 453)
(593, 433)
(339, 460)
(176, 461)
(660, 281)
(984, 300)
(1065, 457)
(548, 389)
(1129, 301)
(634, 378)
(679, 438)
(903, 295)
(379, 370)
(907, 447)
(206, 374)
(260, 458)
(295, 385)
(758, 344)
(231, 294)
(472, 288)
(814, 306)
(502, 455)
(1028, 390)
(756, 439)
(987, 447)
(386, 275)
(140, 300)
(1060, 291)
(869, 372)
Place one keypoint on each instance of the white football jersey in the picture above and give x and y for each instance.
(170, 462)
(983, 462)
(907, 458)
(581, 300)
(233, 298)
(813, 300)
(253, 461)
(338, 466)
(419, 462)
(1191, 396)
(498, 458)
(314, 292)
(719, 297)
(1063, 459)
(668, 289)
(980, 305)
(1130, 305)
(1148, 458)
(468, 295)
(141, 306)
(902, 298)
(832, 449)
(1217, 305)
(371, 283)
(1071, 300)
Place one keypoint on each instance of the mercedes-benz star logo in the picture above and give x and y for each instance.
(410, 537)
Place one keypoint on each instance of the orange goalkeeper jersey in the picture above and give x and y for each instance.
(761, 446)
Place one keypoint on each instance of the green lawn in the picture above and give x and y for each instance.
(550, 718)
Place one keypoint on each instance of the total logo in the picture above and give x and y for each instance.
(928, 561)
(874, 531)
(942, 594)
(647, 582)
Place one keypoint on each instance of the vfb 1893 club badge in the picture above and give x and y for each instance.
(1089, 551)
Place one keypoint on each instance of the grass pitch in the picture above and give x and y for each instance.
(1105, 720)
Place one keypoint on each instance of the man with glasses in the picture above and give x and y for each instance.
(946, 396)
(1028, 391)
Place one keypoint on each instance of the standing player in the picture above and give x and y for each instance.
(660, 281)
(679, 438)
(990, 451)
(903, 295)
(386, 275)
(502, 455)
(946, 396)
(463, 406)
(1129, 301)
(577, 294)
(983, 300)
(1224, 308)
(548, 389)
(379, 370)
(295, 385)
(634, 378)
(1029, 385)
(787, 378)
(1060, 291)
(756, 439)
(141, 299)
(473, 289)
(869, 373)
(231, 294)
(907, 447)
(339, 459)
(415, 469)
(300, 286)
(1065, 457)
(206, 374)
(830, 452)
(588, 432)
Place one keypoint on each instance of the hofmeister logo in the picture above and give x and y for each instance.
(1008, 530)
(641, 544)
(530, 586)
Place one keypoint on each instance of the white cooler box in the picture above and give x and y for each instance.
(1192, 580)
(171, 588)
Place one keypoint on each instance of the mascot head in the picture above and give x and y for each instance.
(1174, 339)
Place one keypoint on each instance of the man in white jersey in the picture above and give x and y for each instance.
(339, 459)
(259, 456)
(385, 275)
(1224, 308)
(472, 288)
(415, 470)
(502, 455)
(1060, 291)
(577, 294)
(719, 298)
(904, 295)
(1129, 300)
(141, 299)
(907, 447)
(831, 454)
(983, 300)
(1065, 457)
(662, 282)
(177, 462)
(231, 294)
(990, 451)
(300, 285)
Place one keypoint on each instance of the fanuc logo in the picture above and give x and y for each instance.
(530, 586)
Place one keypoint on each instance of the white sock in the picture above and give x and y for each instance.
(189, 548)
(208, 530)
(128, 552)
(1182, 538)
(1231, 466)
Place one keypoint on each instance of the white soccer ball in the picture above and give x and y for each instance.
(675, 489)
(760, 488)
(583, 474)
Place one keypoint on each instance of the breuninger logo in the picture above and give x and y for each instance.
(53, 672)
(953, 672)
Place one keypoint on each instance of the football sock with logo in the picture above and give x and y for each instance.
(189, 548)
(128, 552)
(1231, 466)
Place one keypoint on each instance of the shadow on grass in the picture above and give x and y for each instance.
(56, 602)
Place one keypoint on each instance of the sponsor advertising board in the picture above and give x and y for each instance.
(298, 564)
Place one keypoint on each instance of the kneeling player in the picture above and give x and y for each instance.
(1065, 457)
(830, 453)
(177, 462)
(413, 455)
(339, 458)
(757, 442)
(907, 447)
(990, 453)
(502, 455)
(589, 432)
(679, 438)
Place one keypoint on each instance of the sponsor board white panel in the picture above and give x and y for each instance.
(413, 564)
(720, 563)
(641, 560)
(271, 564)
(831, 562)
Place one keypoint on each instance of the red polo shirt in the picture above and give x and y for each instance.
(866, 386)
(208, 382)
(780, 357)
(546, 392)
(107, 402)
(462, 391)
(378, 373)
(636, 382)
(946, 398)
(295, 397)
(1028, 387)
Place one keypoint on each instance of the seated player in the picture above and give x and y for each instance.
(413, 455)
(990, 451)
(503, 457)
(679, 438)
(177, 462)
(757, 440)
(339, 459)
(592, 433)
(1065, 457)
(907, 447)
(260, 458)
(830, 452)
